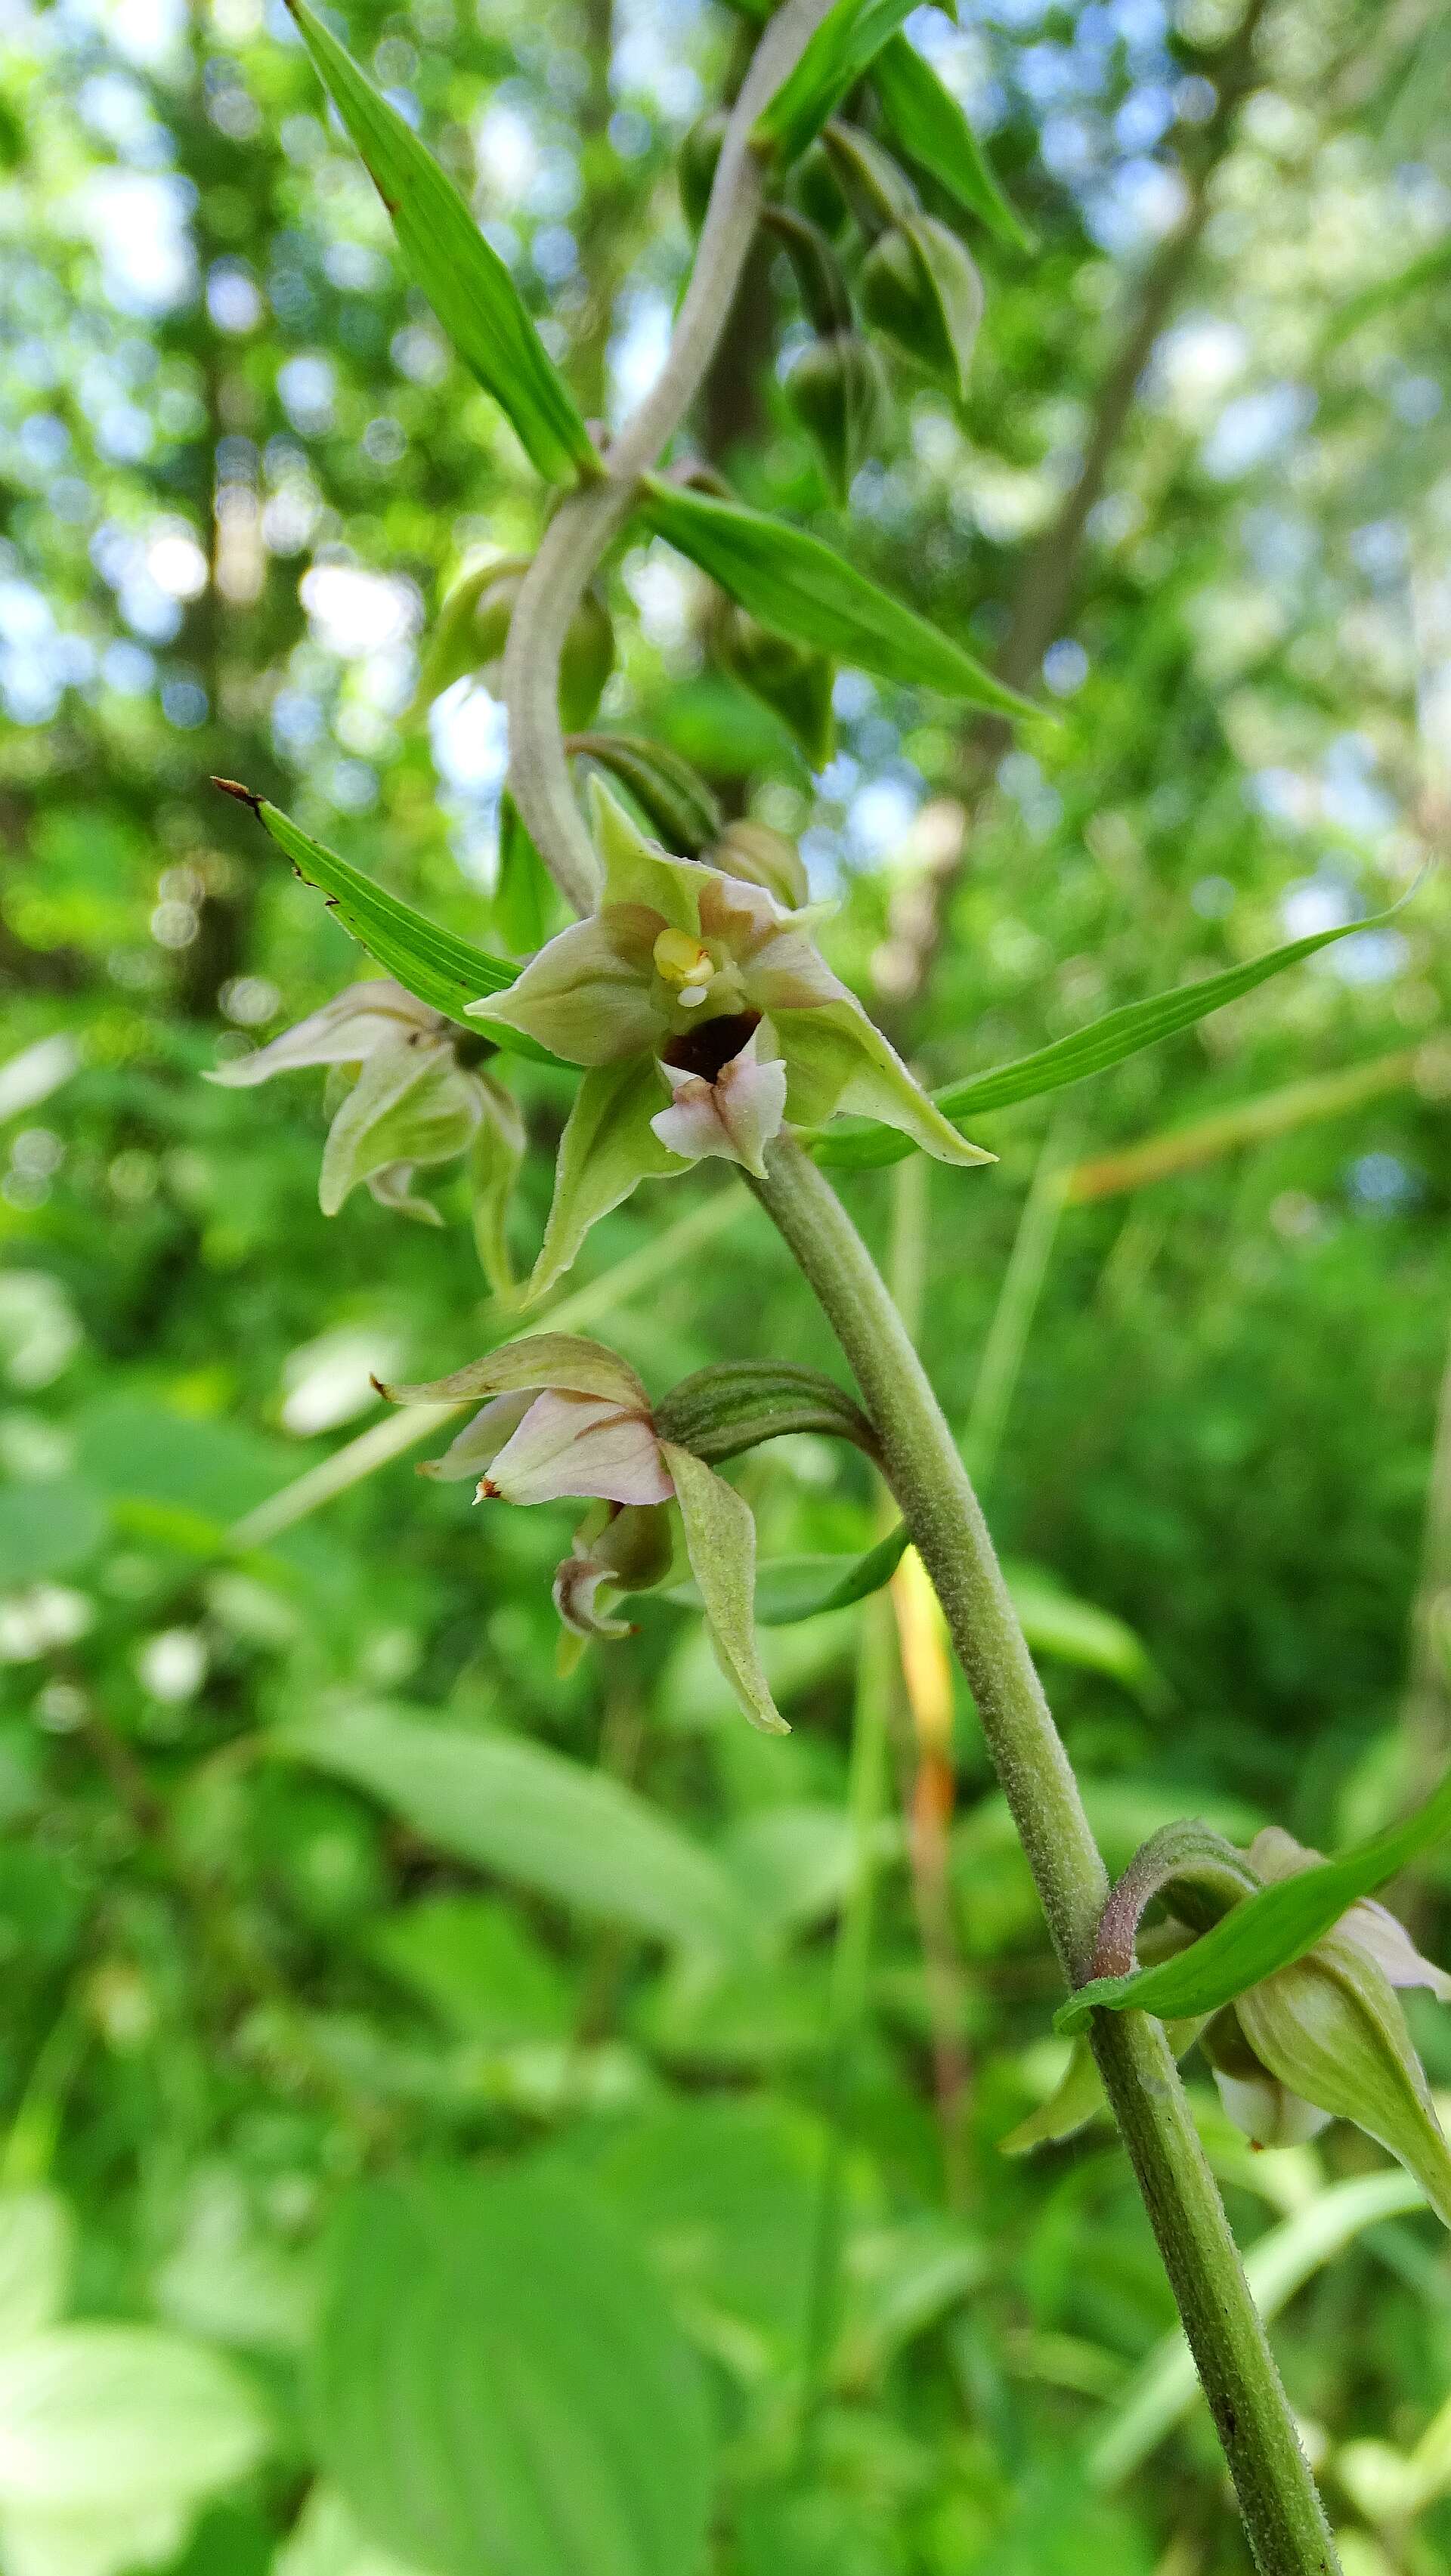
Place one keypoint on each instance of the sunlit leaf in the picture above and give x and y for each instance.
(851, 34)
(1105, 1043)
(444, 971)
(796, 585)
(927, 125)
(464, 279)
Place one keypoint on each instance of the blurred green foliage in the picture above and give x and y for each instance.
(322, 1893)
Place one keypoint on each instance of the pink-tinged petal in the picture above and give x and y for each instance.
(473, 1451)
(638, 871)
(576, 1444)
(345, 1031)
(577, 1586)
(775, 950)
(1371, 1926)
(589, 994)
(1375, 1931)
(530, 1363)
(735, 1116)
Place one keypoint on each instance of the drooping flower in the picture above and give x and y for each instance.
(409, 1105)
(1326, 2038)
(564, 1417)
(1322, 2039)
(705, 1016)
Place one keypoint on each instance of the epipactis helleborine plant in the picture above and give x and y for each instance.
(566, 1418)
(705, 1016)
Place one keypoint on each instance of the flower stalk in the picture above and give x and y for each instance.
(1283, 2516)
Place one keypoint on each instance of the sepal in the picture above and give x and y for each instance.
(720, 1541)
(410, 1106)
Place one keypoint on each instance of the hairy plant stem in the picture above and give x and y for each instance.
(587, 522)
(1282, 2512)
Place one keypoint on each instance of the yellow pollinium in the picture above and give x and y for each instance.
(683, 960)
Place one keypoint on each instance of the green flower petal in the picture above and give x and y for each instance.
(587, 996)
(838, 1059)
(720, 1540)
(606, 1148)
(636, 871)
(409, 1105)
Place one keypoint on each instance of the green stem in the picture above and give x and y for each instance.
(1283, 2516)
(587, 522)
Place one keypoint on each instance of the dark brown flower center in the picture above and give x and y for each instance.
(704, 1049)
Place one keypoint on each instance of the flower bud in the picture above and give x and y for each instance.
(790, 679)
(1330, 2029)
(920, 289)
(817, 190)
(764, 857)
(696, 164)
(835, 390)
(674, 799)
(473, 629)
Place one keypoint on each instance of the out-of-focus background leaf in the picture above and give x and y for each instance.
(320, 1888)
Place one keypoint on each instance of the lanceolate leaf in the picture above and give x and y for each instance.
(1096, 1049)
(465, 281)
(927, 125)
(796, 585)
(1267, 1931)
(848, 38)
(445, 972)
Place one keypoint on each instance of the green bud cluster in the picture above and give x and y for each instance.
(472, 630)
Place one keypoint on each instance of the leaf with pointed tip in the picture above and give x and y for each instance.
(927, 125)
(848, 39)
(720, 1540)
(445, 972)
(464, 279)
(1106, 1042)
(795, 585)
(1266, 1932)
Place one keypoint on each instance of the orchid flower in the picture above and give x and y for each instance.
(1326, 2039)
(567, 1418)
(705, 1016)
(410, 1105)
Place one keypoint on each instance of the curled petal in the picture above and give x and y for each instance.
(578, 1444)
(577, 1586)
(392, 1186)
(345, 1031)
(780, 963)
(736, 1115)
(476, 1447)
(589, 994)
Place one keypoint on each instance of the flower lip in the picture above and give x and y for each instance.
(707, 1048)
